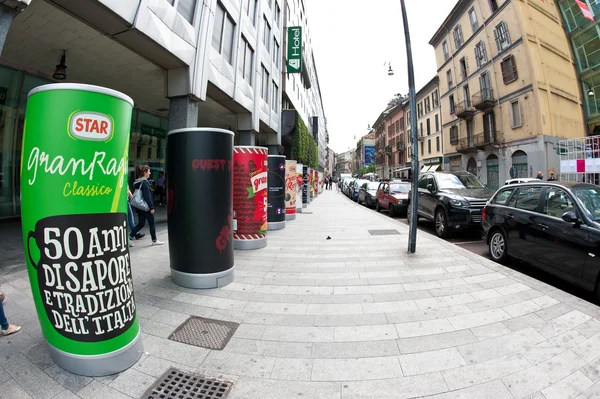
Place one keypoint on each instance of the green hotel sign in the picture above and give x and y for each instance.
(294, 53)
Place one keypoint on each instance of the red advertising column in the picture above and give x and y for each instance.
(290, 190)
(250, 179)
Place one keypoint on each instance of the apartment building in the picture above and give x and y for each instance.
(584, 36)
(508, 88)
(344, 162)
(389, 136)
(429, 125)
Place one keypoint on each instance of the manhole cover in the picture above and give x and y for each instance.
(384, 232)
(307, 213)
(206, 333)
(176, 384)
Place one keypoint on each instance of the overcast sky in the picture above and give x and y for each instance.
(352, 40)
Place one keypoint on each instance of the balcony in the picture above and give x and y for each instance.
(486, 139)
(464, 110)
(400, 146)
(388, 149)
(421, 134)
(484, 100)
(466, 145)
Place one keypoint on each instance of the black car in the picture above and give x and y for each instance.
(552, 225)
(452, 200)
(367, 193)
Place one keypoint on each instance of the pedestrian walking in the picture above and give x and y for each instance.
(142, 184)
(131, 220)
(540, 175)
(331, 183)
(7, 328)
(160, 187)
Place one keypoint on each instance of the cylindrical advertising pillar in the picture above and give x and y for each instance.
(250, 178)
(299, 189)
(276, 194)
(290, 190)
(312, 184)
(305, 185)
(200, 206)
(74, 223)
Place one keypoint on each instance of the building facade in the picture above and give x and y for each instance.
(186, 63)
(508, 88)
(429, 125)
(584, 36)
(344, 162)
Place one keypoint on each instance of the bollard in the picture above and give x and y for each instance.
(250, 180)
(74, 221)
(200, 207)
(276, 194)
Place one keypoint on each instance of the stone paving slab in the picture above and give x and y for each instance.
(351, 317)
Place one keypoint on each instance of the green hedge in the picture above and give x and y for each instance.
(304, 148)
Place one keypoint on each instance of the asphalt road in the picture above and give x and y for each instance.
(471, 240)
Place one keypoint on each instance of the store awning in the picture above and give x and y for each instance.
(434, 168)
(403, 169)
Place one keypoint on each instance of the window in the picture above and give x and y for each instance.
(449, 77)
(222, 39)
(557, 202)
(509, 70)
(419, 110)
(515, 114)
(422, 148)
(502, 36)
(437, 143)
(463, 68)
(267, 34)
(277, 15)
(265, 84)
(454, 135)
(246, 60)
(276, 56)
(445, 49)
(451, 99)
(275, 96)
(458, 37)
(528, 198)
(473, 19)
(427, 105)
(186, 8)
(429, 146)
(437, 124)
(480, 54)
(467, 95)
(503, 196)
(250, 9)
(424, 181)
(435, 99)
(149, 152)
(493, 5)
(428, 126)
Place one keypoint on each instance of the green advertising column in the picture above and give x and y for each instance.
(74, 219)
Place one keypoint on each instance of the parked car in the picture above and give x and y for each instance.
(354, 187)
(367, 194)
(392, 196)
(452, 200)
(551, 225)
(521, 180)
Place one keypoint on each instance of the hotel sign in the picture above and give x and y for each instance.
(294, 49)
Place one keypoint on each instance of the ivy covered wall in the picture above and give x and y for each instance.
(304, 147)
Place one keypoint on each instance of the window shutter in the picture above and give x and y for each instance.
(504, 68)
(497, 38)
(514, 67)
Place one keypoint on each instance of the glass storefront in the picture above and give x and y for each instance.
(147, 144)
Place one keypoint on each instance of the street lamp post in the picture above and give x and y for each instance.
(412, 238)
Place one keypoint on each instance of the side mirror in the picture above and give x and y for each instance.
(430, 188)
(570, 217)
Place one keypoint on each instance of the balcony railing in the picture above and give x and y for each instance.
(421, 134)
(466, 145)
(485, 139)
(464, 110)
(388, 149)
(400, 146)
(484, 99)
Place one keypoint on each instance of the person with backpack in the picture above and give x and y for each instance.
(142, 184)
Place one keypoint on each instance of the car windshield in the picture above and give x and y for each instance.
(399, 188)
(590, 199)
(460, 182)
(373, 186)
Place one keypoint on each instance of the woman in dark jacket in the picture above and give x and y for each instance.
(143, 172)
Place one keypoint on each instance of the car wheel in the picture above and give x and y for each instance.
(392, 211)
(377, 207)
(497, 246)
(441, 224)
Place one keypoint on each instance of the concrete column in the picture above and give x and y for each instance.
(247, 137)
(183, 113)
(7, 15)
(273, 149)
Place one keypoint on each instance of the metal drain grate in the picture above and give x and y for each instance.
(206, 333)
(177, 384)
(384, 232)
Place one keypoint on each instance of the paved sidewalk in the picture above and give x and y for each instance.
(350, 317)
